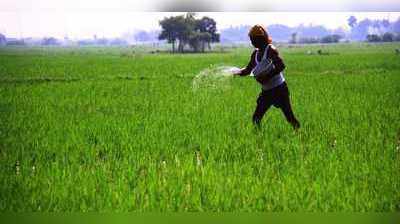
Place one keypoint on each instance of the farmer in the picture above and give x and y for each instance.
(274, 88)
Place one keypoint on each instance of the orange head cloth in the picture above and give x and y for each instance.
(258, 30)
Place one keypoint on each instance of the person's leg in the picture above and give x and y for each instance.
(286, 108)
(263, 104)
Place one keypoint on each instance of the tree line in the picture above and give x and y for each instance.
(357, 30)
(188, 31)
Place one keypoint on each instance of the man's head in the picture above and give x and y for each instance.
(259, 36)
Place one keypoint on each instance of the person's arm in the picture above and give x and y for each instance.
(247, 70)
(277, 61)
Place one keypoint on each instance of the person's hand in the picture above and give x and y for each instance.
(237, 73)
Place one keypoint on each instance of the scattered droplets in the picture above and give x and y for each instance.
(17, 167)
(261, 155)
(198, 159)
(334, 143)
(164, 164)
(214, 78)
(163, 173)
(188, 189)
(177, 161)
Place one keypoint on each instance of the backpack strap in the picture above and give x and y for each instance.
(266, 52)
(255, 58)
(265, 55)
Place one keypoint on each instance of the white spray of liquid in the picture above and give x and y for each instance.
(214, 77)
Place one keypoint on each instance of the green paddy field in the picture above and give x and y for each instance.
(122, 129)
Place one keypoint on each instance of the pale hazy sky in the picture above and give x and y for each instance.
(111, 18)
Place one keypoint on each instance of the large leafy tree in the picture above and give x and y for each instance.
(186, 29)
(208, 27)
(170, 30)
(198, 39)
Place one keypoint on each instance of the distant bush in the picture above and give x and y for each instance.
(101, 41)
(15, 42)
(85, 42)
(334, 38)
(386, 37)
(118, 42)
(373, 38)
(50, 41)
(308, 40)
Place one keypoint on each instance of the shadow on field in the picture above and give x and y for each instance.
(40, 80)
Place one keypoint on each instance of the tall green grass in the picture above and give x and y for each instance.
(97, 129)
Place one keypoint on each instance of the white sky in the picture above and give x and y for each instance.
(111, 18)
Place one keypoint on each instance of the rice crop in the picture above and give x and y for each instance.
(89, 129)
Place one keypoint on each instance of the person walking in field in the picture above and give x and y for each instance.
(274, 90)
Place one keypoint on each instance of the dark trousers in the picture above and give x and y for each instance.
(278, 97)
